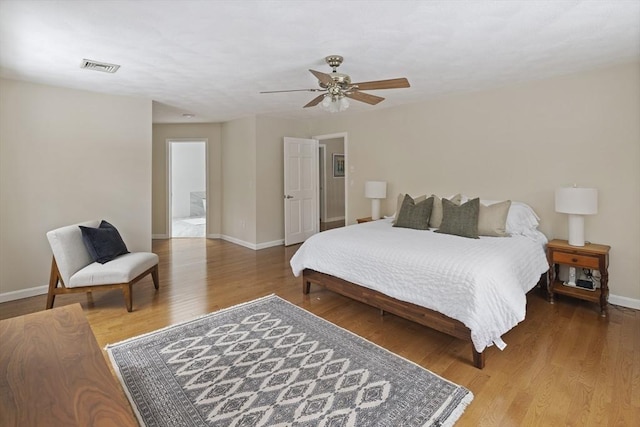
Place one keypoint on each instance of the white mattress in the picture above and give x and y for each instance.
(480, 282)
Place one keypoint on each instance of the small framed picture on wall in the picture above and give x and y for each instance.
(338, 165)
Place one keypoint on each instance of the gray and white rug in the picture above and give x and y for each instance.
(270, 363)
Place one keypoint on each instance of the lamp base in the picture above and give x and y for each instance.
(375, 209)
(576, 230)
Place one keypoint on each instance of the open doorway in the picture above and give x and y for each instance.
(187, 188)
(332, 176)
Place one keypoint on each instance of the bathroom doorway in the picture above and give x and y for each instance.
(332, 194)
(187, 188)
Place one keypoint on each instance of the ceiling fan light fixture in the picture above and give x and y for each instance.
(334, 104)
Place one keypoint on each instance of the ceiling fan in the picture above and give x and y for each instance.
(337, 86)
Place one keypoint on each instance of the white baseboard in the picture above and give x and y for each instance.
(42, 290)
(271, 244)
(624, 301)
(254, 246)
(166, 236)
(336, 218)
(238, 242)
(23, 293)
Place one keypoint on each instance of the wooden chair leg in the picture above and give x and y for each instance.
(154, 275)
(53, 282)
(128, 296)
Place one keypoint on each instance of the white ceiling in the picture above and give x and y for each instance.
(212, 58)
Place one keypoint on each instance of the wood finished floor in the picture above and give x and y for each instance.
(564, 365)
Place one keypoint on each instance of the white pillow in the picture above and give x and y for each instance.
(521, 218)
(492, 219)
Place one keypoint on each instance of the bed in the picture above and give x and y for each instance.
(473, 289)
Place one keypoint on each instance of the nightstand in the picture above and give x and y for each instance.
(365, 219)
(591, 256)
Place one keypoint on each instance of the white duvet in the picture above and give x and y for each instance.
(480, 282)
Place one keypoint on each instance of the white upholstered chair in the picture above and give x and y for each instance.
(75, 271)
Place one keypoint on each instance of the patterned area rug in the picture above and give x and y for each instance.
(270, 363)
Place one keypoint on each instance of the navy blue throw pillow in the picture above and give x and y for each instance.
(103, 243)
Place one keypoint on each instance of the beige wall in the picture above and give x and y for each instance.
(253, 207)
(212, 133)
(68, 156)
(239, 180)
(270, 174)
(245, 176)
(335, 186)
(519, 142)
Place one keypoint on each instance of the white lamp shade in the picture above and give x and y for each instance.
(577, 201)
(375, 190)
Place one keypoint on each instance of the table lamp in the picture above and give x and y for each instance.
(576, 202)
(375, 190)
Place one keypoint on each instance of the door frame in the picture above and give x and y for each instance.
(168, 184)
(345, 140)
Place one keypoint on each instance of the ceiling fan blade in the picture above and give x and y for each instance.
(364, 97)
(293, 90)
(383, 84)
(323, 77)
(315, 101)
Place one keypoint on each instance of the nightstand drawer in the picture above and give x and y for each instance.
(577, 260)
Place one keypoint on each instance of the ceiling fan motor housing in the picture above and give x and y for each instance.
(341, 80)
(334, 61)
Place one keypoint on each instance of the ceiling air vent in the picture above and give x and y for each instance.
(99, 66)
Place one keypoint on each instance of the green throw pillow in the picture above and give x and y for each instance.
(436, 213)
(416, 200)
(414, 215)
(460, 220)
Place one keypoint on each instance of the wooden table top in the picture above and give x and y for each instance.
(52, 373)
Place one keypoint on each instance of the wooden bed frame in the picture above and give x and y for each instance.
(406, 310)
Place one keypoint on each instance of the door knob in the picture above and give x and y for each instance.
(288, 197)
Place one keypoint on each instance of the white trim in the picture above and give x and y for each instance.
(254, 246)
(624, 301)
(271, 244)
(234, 240)
(42, 290)
(337, 218)
(23, 293)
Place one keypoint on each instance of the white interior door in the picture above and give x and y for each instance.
(300, 189)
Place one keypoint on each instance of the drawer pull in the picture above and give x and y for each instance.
(574, 259)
